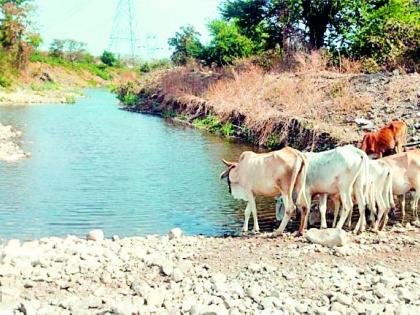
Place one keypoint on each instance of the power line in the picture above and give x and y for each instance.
(123, 39)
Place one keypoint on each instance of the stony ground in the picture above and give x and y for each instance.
(9, 149)
(372, 274)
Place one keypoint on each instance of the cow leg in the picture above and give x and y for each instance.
(403, 208)
(345, 210)
(382, 213)
(336, 210)
(349, 218)
(247, 215)
(359, 191)
(323, 210)
(288, 212)
(256, 227)
(304, 214)
(415, 204)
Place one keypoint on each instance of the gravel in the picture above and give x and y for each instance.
(204, 275)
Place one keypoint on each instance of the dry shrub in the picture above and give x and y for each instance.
(350, 66)
(187, 81)
(264, 99)
(315, 61)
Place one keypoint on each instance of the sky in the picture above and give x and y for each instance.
(91, 22)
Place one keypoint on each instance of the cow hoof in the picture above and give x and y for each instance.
(298, 234)
(276, 234)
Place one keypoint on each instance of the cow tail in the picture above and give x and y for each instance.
(362, 171)
(404, 138)
(389, 193)
(299, 175)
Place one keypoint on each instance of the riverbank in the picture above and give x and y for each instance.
(178, 274)
(10, 151)
(42, 83)
(309, 110)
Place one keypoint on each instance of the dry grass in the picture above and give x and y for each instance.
(264, 97)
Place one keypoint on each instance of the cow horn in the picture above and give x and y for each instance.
(228, 163)
(224, 174)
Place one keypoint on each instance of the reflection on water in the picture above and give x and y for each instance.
(94, 166)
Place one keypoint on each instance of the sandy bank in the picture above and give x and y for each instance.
(25, 97)
(200, 275)
(10, 151)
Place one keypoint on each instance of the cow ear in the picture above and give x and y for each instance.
(229, 164)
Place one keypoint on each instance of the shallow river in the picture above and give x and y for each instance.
(95, 166)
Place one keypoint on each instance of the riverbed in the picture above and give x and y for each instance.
(96, 166)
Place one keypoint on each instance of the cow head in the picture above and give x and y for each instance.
(226, 173)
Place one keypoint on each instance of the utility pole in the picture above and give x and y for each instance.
(123, 39)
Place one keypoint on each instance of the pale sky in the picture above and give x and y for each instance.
(91, 21)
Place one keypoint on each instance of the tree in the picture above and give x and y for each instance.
(186, 45)
(227, 44)
(57, 48)
(75, 50)
(15, 36)
(109, 58)
(389, 30)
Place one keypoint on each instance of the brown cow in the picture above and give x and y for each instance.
(268, 174)
(393, 136)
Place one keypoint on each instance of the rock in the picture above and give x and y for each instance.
(343, 299)
(364, 123)
(155, 297)
(254, 292)
(30, 307)
(177, 275)
(338, 307)
(175, 233)
(167, 268)
(327, 237)
(213, 310)
(95, 235)
(270, 302)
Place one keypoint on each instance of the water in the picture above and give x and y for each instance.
(95, 166)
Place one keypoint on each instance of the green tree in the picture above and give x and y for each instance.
(109, 58)
(75, 50)
(227, 44)
(387, 31)
(57, 48)
(186, 45)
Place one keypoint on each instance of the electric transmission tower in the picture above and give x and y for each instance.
(123, 39)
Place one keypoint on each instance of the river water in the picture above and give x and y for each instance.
(95, 166)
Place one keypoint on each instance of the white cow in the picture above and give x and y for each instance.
(380, 198)
(378, 194)
(342, 172)
(406, 177)
(267, 174)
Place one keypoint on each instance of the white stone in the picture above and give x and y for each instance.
(175, 233)
(95, 235)
(167, 268)
(327, 237)
(177, 275)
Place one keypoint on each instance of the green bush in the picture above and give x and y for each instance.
(153, 65)
(369, 65)
(5, 81)
(228, 130)
(109, 58)
(47, 86)
(227, 44)
(130, 99)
